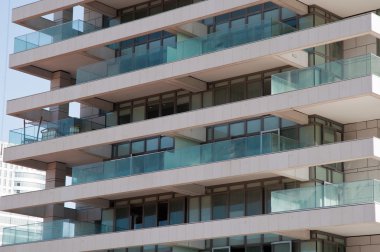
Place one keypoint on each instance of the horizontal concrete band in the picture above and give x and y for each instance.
(287, 163)
(341, 219)
(344, 90)
(325, 34)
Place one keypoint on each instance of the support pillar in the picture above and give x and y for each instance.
(60, 79)
(55, 177)
(63, 16)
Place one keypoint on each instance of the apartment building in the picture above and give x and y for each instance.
(205, 126)
(17, 179)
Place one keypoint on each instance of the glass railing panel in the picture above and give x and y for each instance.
(111, 119)
(51, 130)
(182, 157)
(349, 193)
(52, 35)
(377, 190)
(52, 230)
(344, 69)
(375, 65)
(185, 49)
(221, 40)
(295, 199)
(328, 195)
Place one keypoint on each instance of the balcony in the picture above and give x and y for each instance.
(65, 31)
(183, 157)
(52, 35)
(51, 230)
(50, 130)
(340, 70)
(328, 196)
(239, 35)
(324, 74)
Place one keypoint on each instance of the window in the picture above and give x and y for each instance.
(127, 15)
(138, 147)
(107, 218)
(170, 5)
(150, 215)
(194, 206)
(254, 126)
(237, 129)
(152, 144)
(142, 146)
(180, 101)
(196, 101)
(238, 89)
(138, 111)
(271, 123)
(207, 99)
(184, 2)
(237, 203)
(163, 213)
(254, 201)
(221, 132)
(141, 11)
(137, 217)
(219, 206)
(205, 208)
(153, 108)
(155, 8)
(167, 104)
(183, 104)
(123, 150)
(177, 211)
(221, 94)
(167, 143)
(122, 219)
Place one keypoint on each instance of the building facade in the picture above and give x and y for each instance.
(17, 179)
(205, 126)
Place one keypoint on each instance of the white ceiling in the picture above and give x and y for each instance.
(345, 8)
(347, 111)
(118, 4)
(353, 229)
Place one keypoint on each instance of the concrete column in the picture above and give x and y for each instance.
(362, 169)
(55, 175)
(64, 31)
(60, 80)
(63, 16)
(54, 212)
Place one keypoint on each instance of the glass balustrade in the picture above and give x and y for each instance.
(189, 48)
(64, 31)
(339, 70)
(50, 130)
(183, 157)
(328, 195)
(52, 35)
(51, 230)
